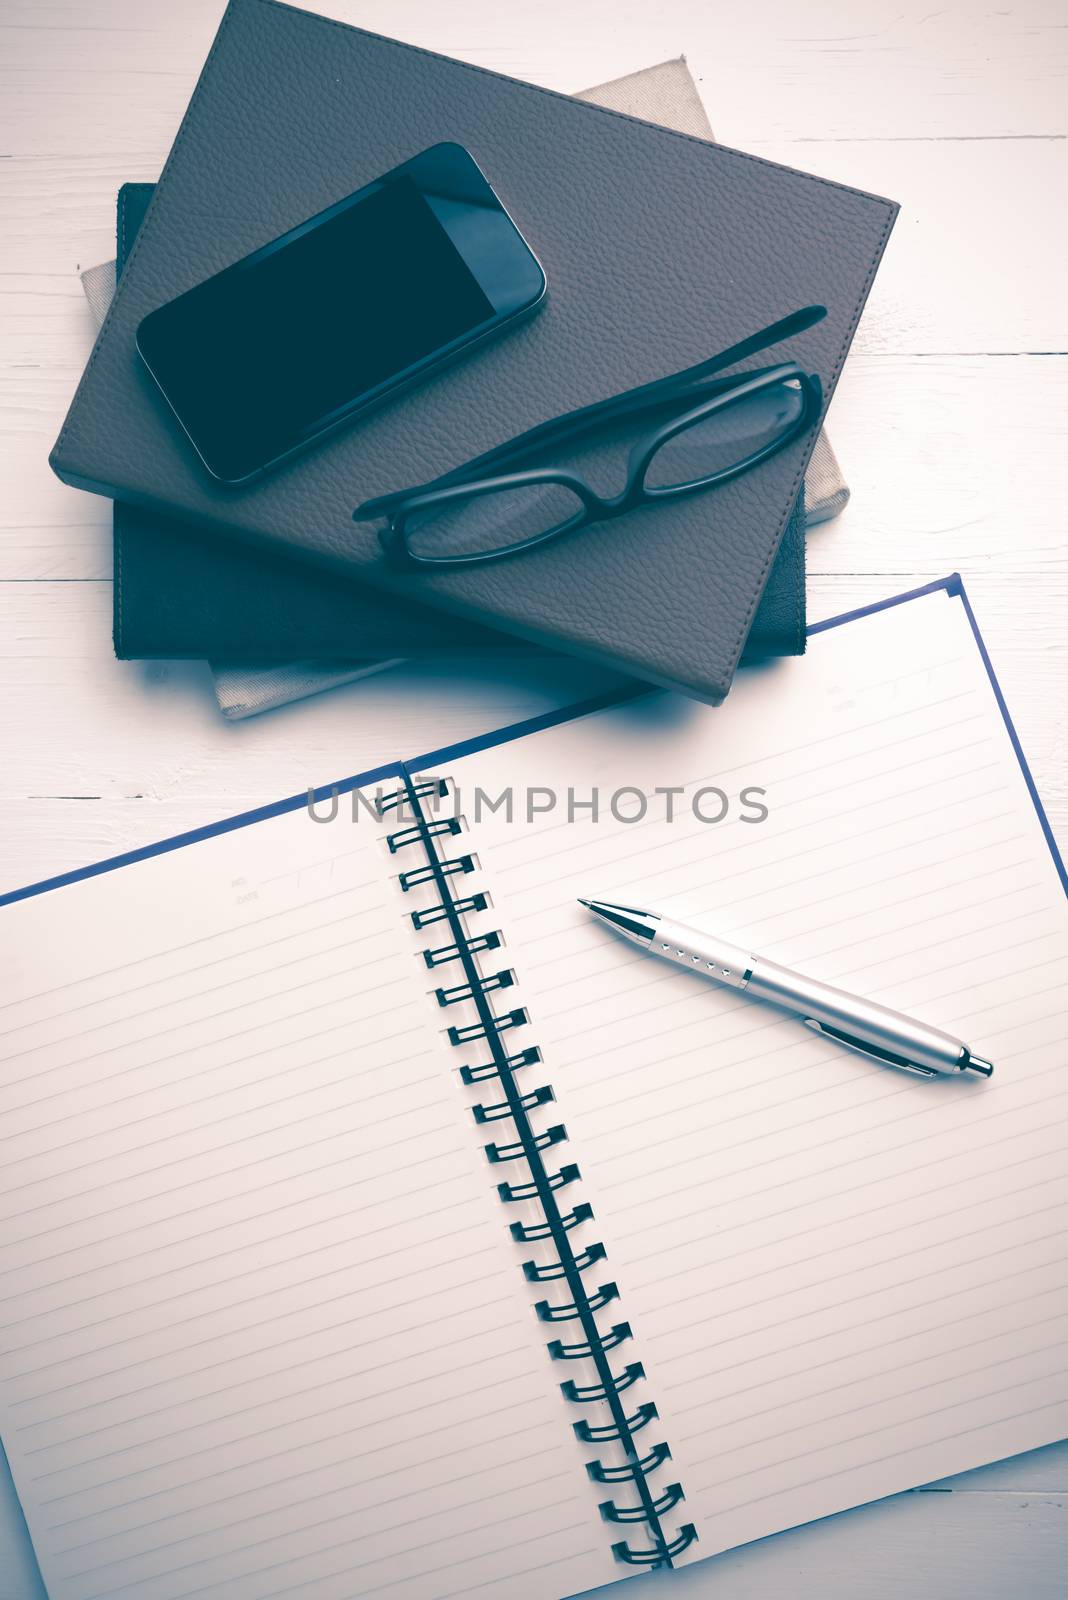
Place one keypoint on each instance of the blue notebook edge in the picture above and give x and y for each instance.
(952, 585)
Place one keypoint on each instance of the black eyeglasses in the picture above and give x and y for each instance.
(720, 427)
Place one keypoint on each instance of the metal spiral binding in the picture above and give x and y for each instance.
(555, 1226)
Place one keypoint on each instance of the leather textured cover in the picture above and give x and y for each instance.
(181, 595)
(659, 249)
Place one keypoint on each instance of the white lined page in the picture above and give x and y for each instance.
(843, 1281)
(263, 1330)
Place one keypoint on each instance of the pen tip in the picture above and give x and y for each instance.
(585, 903)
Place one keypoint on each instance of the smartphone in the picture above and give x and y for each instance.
(373, 293)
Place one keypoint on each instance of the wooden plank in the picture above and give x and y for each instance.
(945, 1547)
(145, 743)
(1038, 1472)
(948, 459)
(973, 260)
(941, 288)
(842, 69)
(957, 111)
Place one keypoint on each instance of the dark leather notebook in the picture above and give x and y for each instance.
(659, 248)
(179, 594)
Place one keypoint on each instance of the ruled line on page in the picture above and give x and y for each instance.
(668, 1006)
(159, 1166)
(777, 1296)
(592, 1088)
(437, 1377)
(864, 1297)
(782, 1025)
(255, 1216)
(626, 855)
(556, 1532)
(874, 1238)
(268, 916)
(521, 1572)
(937, 1411)
(838, 1194)
(208, 1016)
(791, 1237)
(485, 1499)
(222, 1255)
(194, 1183)
(202, 966)
(704, 1074)
(907, 1116)
(375, 1477)
(758, 1191)
(172, 1243)
(163, 1300)
(662, 976)
(497, 1410)
(150, 1144)
(347, 948)
(961, 1433)
(258, 1433)
(776, 755)
(878, 1321)
(252, 1234)
(881, 1347)
(204, 1072)
(317, 1331)
(231, 1089)
(177, 1055)
(739, 844)
(927, 838)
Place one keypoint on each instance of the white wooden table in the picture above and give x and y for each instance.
(950, 423)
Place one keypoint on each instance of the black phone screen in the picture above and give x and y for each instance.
(278, 347)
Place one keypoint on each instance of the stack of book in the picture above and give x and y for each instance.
(660, 248)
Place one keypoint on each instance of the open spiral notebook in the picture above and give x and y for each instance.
(375, 1224)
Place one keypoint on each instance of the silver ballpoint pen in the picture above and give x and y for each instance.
(876, 1031)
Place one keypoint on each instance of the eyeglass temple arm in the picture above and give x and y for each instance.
(614, 406)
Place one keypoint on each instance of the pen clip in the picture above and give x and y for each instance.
(864, 1047)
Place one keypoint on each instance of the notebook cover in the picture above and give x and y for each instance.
(659, 248)
(179, 594)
